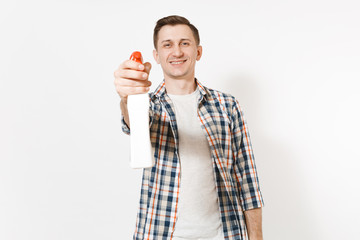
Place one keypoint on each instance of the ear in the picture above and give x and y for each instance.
(156, 56)
(199, 53)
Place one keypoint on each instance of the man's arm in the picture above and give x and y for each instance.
(131, 78)
(253, 220)
(245, 171)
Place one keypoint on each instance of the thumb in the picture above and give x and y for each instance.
(147, 67)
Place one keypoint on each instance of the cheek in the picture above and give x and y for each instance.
(194, 54)
(163, 61)
(162, 57)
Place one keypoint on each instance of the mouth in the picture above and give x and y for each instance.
(177, 62)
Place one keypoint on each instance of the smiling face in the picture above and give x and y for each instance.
(177, 52)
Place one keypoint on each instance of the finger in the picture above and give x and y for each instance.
(135, 90)
(131, 74)
(147, 67)
(133, 83)
(130, 64)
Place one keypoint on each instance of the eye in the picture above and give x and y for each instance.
(185, 43)
(166, 45)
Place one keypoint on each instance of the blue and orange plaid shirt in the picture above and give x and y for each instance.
(236, 178)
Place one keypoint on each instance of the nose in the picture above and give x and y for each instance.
(178, 51)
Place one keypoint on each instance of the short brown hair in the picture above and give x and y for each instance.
(174, 20)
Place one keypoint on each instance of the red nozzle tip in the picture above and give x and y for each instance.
(136, 56)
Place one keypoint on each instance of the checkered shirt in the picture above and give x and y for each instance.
(237, 185)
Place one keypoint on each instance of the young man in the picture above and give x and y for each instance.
(204, 183)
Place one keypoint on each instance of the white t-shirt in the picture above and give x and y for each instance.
(198, 208)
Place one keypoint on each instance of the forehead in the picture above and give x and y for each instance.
(174, 33)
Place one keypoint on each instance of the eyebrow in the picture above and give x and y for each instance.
(183, 39)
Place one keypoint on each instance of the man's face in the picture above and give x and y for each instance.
(177, 52)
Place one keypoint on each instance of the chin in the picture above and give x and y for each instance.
(179, 76)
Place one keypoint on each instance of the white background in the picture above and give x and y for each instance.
(64, 162)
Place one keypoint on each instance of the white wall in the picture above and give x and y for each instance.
(64, 162)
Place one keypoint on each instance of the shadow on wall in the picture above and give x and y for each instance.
(287, 213)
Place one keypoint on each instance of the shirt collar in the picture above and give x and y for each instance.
(160, 91)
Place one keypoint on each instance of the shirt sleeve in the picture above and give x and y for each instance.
(244, 162)
(124, 127)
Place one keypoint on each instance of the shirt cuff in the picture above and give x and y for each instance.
(124, 126)
(252, 200)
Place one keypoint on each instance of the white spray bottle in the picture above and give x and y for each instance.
(141, 153)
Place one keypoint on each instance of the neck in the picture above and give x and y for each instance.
(180, 86)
